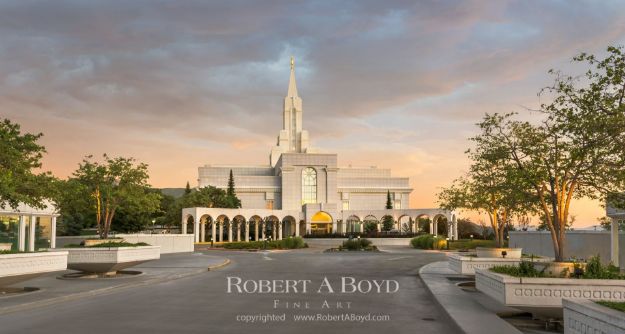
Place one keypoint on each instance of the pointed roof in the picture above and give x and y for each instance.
(292, 92)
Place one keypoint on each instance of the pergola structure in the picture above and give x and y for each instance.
(28, 221)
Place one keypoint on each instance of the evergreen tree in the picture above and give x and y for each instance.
(233, 200)
(387, 221)
(187, 190)
(389, 204)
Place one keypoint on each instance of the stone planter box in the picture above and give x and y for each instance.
(466, 265)
(543, 296)
(5, 246)
(586, 316)
(109, 260)
(19, 267)
(93, 242)
(511, 253)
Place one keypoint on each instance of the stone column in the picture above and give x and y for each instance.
(239, 230)
(202, 231)
(21, 234)
(183, 226)
(308, 229)
(256, 236)
(379, 226)
(230, 231)
(296, 229)
(262, 230)
(221, 231)
(214, 231)
(614, 241)
(431, 227)
(53, 232)
(455, 229)
(450, 231)
(334, 227)
(273, 230)
(196, 229)
(247, 231)
(31, 233)
(279, 231)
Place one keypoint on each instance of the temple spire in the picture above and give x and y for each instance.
(292, 92)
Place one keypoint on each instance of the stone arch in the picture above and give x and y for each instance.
(288, 226)
(188, 221)
(257, 229)
(353, 224)
(238, 224)
(222, 225)
(422, 223)
(321, 223)
(370, 219)
(404, 224)
(440, 229)
(271, 226)
(387, 216)
(206, 223)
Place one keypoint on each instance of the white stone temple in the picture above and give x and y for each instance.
(303, 191)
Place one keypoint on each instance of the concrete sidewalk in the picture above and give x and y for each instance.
(54, 290)
(472, 312)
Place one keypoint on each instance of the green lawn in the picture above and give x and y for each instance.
(619, 306)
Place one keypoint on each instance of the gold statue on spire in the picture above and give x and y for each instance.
(292, 62)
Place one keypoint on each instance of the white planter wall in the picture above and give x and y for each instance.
(170, 243)
(101, 260)
(586, 316)
(466, 265)
(23, 266)
(545, 293)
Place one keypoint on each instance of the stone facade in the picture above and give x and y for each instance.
(300, 182)
(586, 317)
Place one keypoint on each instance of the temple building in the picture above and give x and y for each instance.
(304, 191)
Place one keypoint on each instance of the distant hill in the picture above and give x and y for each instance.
(176, 192)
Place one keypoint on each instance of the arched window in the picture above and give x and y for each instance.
(309, 186)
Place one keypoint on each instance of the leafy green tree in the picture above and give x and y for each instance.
(578, 148)
(606, 223)
(75, 206)
(116, 184)
(20, 154)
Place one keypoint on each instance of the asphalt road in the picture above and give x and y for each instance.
(201, 303)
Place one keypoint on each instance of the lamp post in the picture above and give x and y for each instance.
(447, 239)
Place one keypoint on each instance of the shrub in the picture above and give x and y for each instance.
(596, 270)
(358, 244)
(287, 243)
(524, 269)
(428, 241)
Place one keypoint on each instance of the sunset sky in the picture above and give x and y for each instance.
(179, 84)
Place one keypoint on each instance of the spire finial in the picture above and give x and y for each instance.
(292, 62)
(292, 92)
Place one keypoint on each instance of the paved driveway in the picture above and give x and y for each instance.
(201, 304)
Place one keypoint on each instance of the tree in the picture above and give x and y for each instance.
(423, 224)
(387, 221)
(466, 228)
(233, 201)
(606, 223)
(577, 149)
(20, 154)
(389, 204)
(116, 183)
(187, 189)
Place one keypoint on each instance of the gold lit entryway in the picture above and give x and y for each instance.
(321, 223)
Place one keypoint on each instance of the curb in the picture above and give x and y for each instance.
(466, 313)
(217, 266)
(105, 290)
